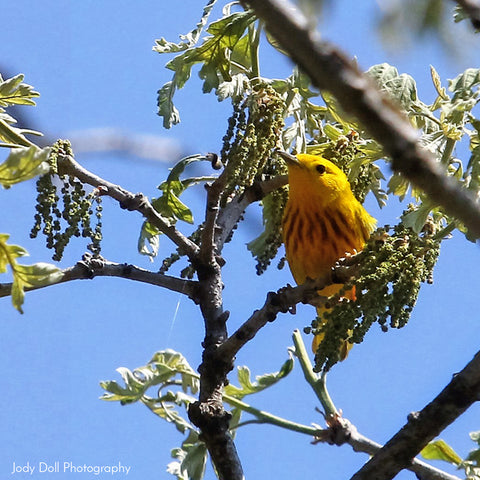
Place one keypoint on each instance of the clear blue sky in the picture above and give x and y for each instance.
(93, 65)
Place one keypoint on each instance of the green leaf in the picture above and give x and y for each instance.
(169, 363)
(24, 276)
(442, 92)
(191, 459)
(164, 407)
(167, 368)
(162, 368)
(462, 86)
(169, 204)
(416, 219)
(166, 108)
(12, 137)
(22, 164)
(440, 450)
(474, 456)
(149, 240)
(398, 185)
(459, 14)
(214, 53)
(189, 39)
(39, 274)
(14, 92)
(234, 88)
(247, 387)
(401, 87)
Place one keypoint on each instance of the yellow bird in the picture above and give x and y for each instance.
(323, 221)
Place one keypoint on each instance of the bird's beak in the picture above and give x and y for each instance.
(291, 160)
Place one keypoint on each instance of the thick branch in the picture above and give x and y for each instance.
(91, 267)
(422, 427)
(208, 413)
(329, 69)
(424, 471)
(130, 201)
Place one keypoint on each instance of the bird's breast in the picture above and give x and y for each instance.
(315, 239)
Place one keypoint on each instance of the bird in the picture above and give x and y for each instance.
(322, 222)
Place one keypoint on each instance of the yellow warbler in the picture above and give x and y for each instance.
(322, 222)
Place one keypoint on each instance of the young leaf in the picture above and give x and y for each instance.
(215, 56)
(14, 92)
(442, 92)
(22, 164)
(234, 88)
(440, 450)
(169, 205)
(162, 368)
(148, 240)
(398, 185)
(462, 85)
(12, 137)
(164, 408)
(401, 87)
(191, 459)
(166, 108)
(247, 387)
(417, 218)
(24, 276)
(39, 274)
(190, 39)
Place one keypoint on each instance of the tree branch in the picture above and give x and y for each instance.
(208, 247)
(340, 430)
(91, 267)
(329, 69)
(127, 200)
(422, 427)
(283, 301)
(424, 471)
(208, 413)
(229, 216)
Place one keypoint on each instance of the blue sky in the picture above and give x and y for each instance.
(93, 64)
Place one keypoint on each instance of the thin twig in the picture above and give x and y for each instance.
(130, 201)
(317, 383)
(90, 268)
(265, 417)
(331, 70)
(233, 211)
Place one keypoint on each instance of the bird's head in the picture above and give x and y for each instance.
(315, 177)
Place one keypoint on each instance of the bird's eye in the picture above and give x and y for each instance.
(320, 169)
